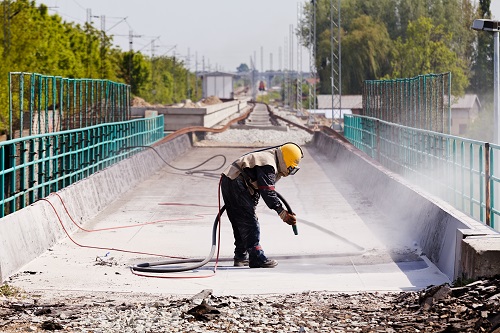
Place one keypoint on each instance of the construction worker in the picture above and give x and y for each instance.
(250, 177)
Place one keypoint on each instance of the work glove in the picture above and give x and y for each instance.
(288, 218)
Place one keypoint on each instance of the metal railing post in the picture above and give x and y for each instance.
(487, 198)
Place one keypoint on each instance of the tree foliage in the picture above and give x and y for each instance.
(369, 47)
(32, 40)
(425, 51)
(243, 68)
(482, 65)
(395, 38)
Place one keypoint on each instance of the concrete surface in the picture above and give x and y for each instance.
(29, 232)
(208, 116)
(260, 118)
(480, 256)
(344, 244)
(437, 227)
(361, 228)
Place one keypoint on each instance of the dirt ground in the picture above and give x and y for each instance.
(471, 308)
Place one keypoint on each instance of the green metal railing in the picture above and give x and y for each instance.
(458, 170)
(40, 104)
(421, 102)
(32, 167)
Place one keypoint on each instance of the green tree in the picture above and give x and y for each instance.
(134, 70)
(368, 46)
(385, 11)
(33, 41)
(482, 67)
(169, 82)
(453, 17)
(159, 89)
(243, 68)
(425, 51)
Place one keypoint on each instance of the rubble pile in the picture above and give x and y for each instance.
(187, 103)
(211, 100)
(190, 104)
(140, 102)
(471, 308)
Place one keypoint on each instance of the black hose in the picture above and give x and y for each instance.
(188, 170)
(289, 209)
(147, 267)
(150, 266)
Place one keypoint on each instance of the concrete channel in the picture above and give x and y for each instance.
(361, 228)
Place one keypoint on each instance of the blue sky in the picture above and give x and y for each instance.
(225, 33)
(222, 33)
(495, 9)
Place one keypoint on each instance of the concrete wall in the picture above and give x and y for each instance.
(208, 116)
(27, 233)
(441, 230)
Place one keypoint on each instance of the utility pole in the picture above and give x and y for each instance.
(254, 59)
(262, 64)
(103, 44)
(262, 59)
(102, 18)
(285, 74)
(196, 75)
(280, 59)
(252, 66)
(312, 59)
(131, 37)
(173, 81)
(188, 63)
(336, 65)
(153, 83)
(291, 67)
(89, 50)
(299, 62)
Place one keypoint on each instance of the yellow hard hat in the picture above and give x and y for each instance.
(292, 153)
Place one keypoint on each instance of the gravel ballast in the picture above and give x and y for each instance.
(256, 137)
(471, 308)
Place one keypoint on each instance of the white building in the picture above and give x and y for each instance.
(218, 84)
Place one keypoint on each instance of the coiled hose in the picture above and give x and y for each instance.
(151, 266)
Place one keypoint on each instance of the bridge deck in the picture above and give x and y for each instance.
(344, 243)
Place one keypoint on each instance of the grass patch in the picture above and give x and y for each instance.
(461, 282)
(9, 291)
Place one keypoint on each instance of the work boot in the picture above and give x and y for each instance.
(259, 260)
(240, 262)
(268, 263)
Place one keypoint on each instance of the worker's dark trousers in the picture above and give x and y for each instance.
(240, 208)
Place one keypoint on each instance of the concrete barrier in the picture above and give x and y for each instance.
(208, 116)
(27, 233)
(448, 237)
(456, 243)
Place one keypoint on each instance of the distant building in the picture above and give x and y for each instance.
(352, 103)
(218, 84)
(464, 110)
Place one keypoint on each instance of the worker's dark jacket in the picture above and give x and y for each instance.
(261, 171)
(242, 184)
